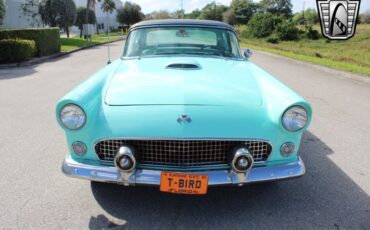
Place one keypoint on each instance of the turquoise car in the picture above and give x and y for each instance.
(183, 109)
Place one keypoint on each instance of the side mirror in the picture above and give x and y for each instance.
(247, 53)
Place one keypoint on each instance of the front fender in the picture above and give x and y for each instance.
(88, 94)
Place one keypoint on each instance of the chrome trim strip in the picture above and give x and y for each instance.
(152, 177)
(183, 139)
(182, 55)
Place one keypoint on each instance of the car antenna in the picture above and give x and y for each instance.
(109, 61)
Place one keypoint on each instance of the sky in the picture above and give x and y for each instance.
(189, 5)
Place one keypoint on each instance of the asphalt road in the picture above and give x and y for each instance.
(334, 193)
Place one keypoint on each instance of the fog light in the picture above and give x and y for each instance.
(79, 148)
(243, 160)
(125, 159)
(125, 162)
(287, 149)
(242, 163)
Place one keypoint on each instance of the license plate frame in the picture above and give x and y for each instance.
(184, 183)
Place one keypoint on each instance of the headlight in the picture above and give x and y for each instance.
(295, 118)
(72, 117)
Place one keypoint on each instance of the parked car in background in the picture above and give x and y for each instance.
(183, 109)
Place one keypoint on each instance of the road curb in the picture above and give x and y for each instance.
(40, 60)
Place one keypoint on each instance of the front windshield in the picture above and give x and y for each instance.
(182, 41)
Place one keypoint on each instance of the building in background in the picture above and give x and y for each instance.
(15, 19)
(101, 17)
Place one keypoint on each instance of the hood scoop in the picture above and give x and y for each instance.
(183, 81)
(183, 65)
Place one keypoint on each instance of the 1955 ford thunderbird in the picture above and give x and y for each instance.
(183, 109)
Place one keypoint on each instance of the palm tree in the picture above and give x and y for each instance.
(90, 4)
(108, 6)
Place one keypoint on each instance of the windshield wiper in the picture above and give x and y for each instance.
(214, 53)
(167, 53)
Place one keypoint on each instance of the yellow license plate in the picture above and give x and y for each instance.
(184, 183)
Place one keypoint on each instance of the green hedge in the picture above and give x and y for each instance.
(47, 40)
(16, 50)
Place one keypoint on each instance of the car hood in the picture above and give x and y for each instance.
(182, 81)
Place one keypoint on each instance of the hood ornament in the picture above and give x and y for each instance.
(183, 119)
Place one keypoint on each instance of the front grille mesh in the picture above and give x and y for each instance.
(182, 153)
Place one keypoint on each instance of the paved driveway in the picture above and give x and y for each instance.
(34, 194)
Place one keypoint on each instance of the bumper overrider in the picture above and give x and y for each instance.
(111, 174)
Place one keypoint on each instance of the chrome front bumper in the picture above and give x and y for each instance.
(152, 177)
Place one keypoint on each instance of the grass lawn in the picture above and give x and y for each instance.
(351, 55)
(69, 44)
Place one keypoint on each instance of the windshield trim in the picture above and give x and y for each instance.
(240, 56)
(183, 25)
(182, 55)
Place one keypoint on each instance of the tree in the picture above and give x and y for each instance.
(229, 17)
(129, 14)
(42, 12)
(262, 25)
(60, 13)
(243, 10)
(310, 17)
(213, 11)
(278, 7)
(178, 14)
(365, 17)
(80, 19)
(90, 4)
(287, 31)
(162, 14)
(2, 11)
(34, 11)
(194, 14)
(108, 7)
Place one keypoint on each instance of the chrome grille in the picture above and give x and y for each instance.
(182, 153)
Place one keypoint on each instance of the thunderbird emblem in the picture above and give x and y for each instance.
(338, 18)
(183, 119)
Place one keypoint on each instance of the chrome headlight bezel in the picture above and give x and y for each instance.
(297, 123)
(79, 113)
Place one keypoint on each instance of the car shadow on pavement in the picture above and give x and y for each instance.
(324, 198)
(17, 72)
